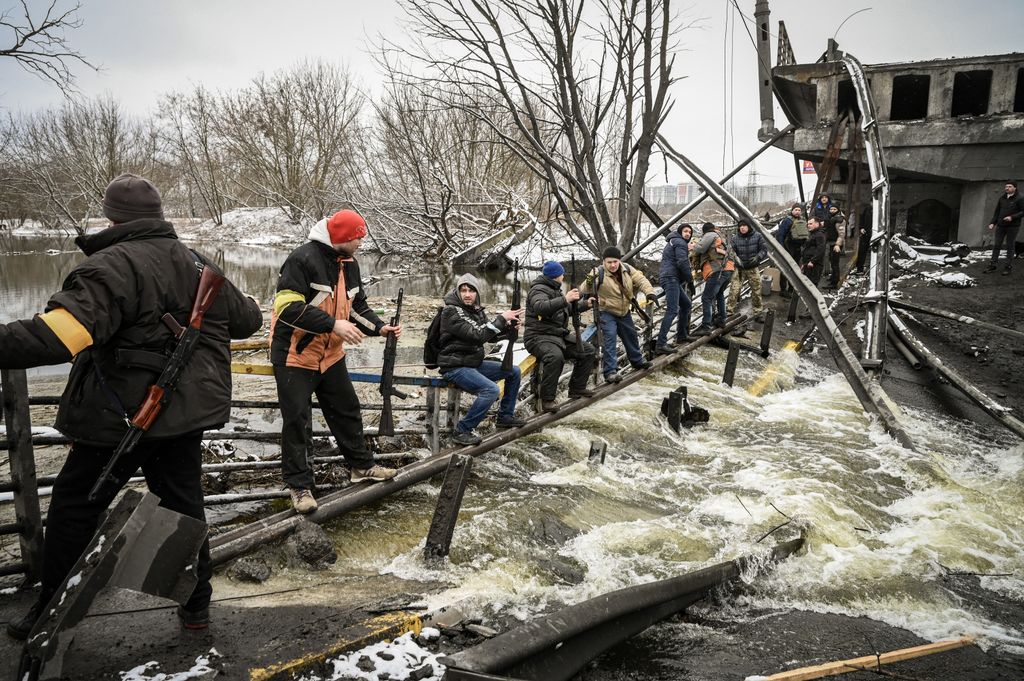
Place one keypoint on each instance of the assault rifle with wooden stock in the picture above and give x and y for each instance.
(159, 394)
(513, 326)
(387, 375)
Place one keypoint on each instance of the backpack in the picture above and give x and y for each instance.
(432, 345)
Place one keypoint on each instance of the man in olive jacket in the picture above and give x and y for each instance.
(549, 339)
(615, 285)
(107, 318)
(320, 306)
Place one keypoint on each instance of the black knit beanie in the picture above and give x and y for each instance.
(612, 252)
(130, 197)
(708, 228)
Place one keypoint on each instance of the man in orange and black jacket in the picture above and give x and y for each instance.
(320, 306)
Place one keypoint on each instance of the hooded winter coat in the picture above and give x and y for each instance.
(317, 286)
(465, 329)
(547, 313)
(108, 316)
(675, 259)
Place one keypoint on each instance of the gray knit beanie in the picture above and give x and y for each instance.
(130, 197)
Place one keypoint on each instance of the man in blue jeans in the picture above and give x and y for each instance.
(716, 265)
(673, 276)
(465, 330)
(615, 285)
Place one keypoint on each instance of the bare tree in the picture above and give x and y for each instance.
(291, 136)
(434, 175)
(70, 154)
(195, 150)
(577, 91)
(37, 41)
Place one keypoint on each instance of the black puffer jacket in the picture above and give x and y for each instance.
(465, 329)
(814, 249)
(547, 313)
(136, 272)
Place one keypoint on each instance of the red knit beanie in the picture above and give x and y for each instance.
(346, 225)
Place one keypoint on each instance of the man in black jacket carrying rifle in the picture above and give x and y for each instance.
(549, 339)
(107, 317)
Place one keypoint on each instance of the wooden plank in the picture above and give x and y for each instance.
(23, 469)
(357, 377)
(868, 662)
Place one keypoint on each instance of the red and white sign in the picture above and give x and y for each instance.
(809, 168)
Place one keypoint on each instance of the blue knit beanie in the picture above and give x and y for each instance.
(553, 270)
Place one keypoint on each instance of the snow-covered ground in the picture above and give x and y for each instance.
(402, 658)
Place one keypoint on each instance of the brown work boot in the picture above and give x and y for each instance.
(302, 500)
(583, 392)
(550, 406)
(372, 474)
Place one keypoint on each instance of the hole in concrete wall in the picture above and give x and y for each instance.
(909, 97)
(932, 221)
(1018, 97)
(847, 99)
(970, 93)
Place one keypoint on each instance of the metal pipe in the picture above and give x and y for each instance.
(555, 647)
(870, 394)
(963, 319)
(764, 73)
(668, 224)
(990, 406)
(908, 354)
(241, 540)
(881, 227)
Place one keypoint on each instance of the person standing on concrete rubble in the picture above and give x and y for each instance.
(464, 331)
(812, 258)
(107, 319)
(615, 284)
(716, 266)
(792, 235)
(749, 249)
(320, 307)
(835, 232)
(1006, 220)
(673, 277)
(549, 339)
(821, 208)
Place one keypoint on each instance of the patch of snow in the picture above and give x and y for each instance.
(248, 226)
(96, 551)
(394, 660)
(951, 279)
(200, 670)
(8, 591)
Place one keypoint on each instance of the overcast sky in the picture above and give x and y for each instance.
(149, 47)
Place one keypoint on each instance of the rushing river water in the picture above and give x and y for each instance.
(881, 521)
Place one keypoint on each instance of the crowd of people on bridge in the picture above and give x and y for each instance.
(111, 318)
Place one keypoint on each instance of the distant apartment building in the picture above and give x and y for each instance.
(685, 192)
